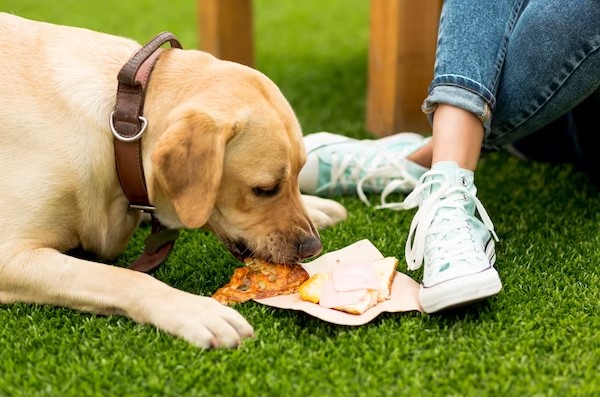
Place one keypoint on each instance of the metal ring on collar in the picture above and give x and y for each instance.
(128, 138)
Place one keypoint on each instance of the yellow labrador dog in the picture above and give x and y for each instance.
(222, 151)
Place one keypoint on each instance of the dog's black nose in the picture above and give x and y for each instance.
(309, 247)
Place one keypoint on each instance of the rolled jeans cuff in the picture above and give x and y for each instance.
(462, 93)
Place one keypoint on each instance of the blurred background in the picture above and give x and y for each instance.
(315, 51)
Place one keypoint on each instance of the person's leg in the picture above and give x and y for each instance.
(522, 56)
(551, 66)
(457, 137)
(455, 246)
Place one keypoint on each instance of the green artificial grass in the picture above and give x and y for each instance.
(538, 337)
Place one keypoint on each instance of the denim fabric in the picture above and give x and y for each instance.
(518, 65)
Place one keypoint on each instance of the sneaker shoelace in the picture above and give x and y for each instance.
(446, 226)
(379, 172)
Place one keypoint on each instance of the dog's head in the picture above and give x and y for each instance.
(226, 151)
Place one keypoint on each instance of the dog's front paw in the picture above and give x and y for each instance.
(201, 321)
(324, 212)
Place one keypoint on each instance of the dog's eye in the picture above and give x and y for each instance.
(266, 191)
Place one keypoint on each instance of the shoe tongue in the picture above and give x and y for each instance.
(451, 174)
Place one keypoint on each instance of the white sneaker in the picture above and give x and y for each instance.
(456, 247)
(338, 165)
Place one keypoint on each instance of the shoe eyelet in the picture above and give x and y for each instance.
(463, 181)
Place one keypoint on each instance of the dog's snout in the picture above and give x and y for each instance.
(309, 247)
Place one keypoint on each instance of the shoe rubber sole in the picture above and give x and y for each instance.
(460, 291)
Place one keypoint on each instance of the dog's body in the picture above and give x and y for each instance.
(222, 151)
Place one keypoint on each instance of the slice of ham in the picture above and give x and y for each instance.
(353, 276)
(347, 285)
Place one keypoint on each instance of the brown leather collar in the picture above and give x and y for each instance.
(128, 125)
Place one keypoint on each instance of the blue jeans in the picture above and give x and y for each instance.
(521, 66)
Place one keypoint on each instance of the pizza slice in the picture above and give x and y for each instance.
(260, 279)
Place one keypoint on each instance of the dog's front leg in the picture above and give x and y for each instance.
(324, 212)
(47, 276)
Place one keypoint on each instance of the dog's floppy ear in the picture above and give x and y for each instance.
(188, 165)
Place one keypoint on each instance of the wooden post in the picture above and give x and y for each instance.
(226, 29)
(402, 43)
